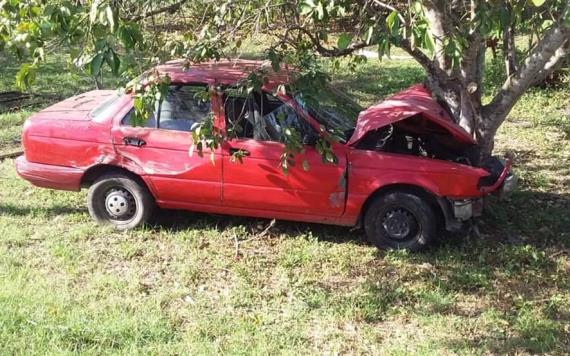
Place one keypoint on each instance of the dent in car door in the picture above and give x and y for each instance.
(163, 154)
(259, 183)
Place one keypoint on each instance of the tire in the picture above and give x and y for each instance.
(400, 221)
(120, 201)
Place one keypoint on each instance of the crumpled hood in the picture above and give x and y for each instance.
(410, 102)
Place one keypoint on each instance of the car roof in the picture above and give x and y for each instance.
(222, 72)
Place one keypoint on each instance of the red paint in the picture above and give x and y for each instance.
(502, 177)
(63, 142)
(49, 176)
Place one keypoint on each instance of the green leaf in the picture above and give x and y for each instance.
(113, 61)
(393, 22)
(369, 34)
(307, 7)
(537, 3)
(428, 42)
(95, 65)
(25, 76)
(344, 41)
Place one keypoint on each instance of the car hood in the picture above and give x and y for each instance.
(410, 102)
(77, 107)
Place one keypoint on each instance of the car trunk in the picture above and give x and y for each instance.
(78, 107)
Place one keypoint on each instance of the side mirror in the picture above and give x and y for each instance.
(310, 138)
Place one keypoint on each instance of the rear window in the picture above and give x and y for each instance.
(101, 110)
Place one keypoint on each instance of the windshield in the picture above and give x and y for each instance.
(333, 109)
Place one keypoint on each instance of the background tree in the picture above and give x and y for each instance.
(447, 38)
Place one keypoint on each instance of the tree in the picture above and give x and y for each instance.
(447, 38)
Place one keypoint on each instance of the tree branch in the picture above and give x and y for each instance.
(161, 10)
(391, 8)
(329, 52)
(538, 65)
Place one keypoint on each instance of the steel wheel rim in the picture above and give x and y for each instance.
(120, 204)
(400, 224)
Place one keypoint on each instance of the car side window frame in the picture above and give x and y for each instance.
(158, 108)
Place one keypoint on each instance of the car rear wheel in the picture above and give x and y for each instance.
(400, 220)
(120, 201)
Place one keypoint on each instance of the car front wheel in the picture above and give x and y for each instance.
(120, 201)
(400, 220)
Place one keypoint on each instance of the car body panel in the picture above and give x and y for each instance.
(370, 171)
(260, 182)
(76, 108)
(49, 176)
(174, 173)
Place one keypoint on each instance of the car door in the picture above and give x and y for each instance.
(161, 148)
(257, 181)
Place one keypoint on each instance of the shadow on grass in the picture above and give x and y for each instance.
(51, 211)
(176, 220)
(527, 217)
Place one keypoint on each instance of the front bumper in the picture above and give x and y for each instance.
(509, 185)
(49, 176)
(459, 211)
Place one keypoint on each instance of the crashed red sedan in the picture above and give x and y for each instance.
(403, 173)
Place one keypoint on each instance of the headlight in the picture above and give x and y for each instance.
(463, 209)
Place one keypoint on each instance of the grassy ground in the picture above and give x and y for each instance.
(181, 286)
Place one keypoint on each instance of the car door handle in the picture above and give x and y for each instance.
(134, 141)
(243, 152)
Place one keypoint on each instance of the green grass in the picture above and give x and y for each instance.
(179, 287)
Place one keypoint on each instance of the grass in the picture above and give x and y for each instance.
(178, 286)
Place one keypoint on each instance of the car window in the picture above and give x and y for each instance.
(182, 107)
(101, 109)
(261, 116)
(129, 119)
(332, 108)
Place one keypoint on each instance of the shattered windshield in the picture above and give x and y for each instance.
(333, 109)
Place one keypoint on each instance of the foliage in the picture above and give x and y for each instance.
(148, 93)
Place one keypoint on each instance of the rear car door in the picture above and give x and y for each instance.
(161, 148)
(258, 182)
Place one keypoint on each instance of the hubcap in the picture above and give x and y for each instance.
(399, 224)
(120, 204)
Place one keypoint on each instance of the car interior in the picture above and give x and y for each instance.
(260, 116)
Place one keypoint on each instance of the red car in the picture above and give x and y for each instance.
(403, 169)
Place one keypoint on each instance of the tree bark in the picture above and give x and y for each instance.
(542, 60)
(437, 19)
(509, 49)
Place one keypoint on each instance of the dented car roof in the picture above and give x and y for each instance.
(405, 104)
